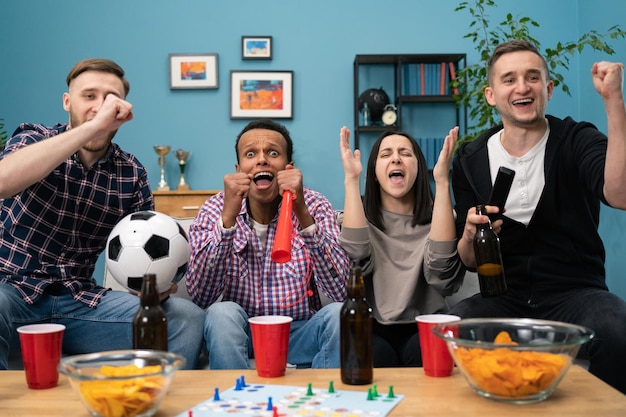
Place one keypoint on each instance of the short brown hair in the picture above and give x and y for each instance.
(101, 65)
(513, 46)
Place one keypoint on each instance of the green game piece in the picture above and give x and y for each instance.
(331, 388)
(391, 394)
(309, 390)
(370, 395)
(375, 391)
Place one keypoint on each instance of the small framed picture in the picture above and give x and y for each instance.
(261, 94)
(256, 47)
(193, 71)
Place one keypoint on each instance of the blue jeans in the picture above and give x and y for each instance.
(106, 327)
(599, 310)
(313, 343)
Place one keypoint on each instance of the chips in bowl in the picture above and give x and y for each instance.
(513, 360)
(128, 383)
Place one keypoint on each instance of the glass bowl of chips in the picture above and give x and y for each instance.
(121, 383)
(513, 360)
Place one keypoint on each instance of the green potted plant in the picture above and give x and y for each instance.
(472, 80)
(3, 134)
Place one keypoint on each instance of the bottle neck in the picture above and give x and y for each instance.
(149, 293)
(480, 211)
(483, 226)
(356, 286)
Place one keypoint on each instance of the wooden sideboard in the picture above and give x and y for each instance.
(181, 203)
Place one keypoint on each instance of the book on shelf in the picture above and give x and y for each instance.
(442, 79)
(416, 77)
(429, 79)
(431, 147)
(406, 79)
(455, 90)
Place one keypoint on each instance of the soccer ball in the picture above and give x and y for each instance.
(147, 242)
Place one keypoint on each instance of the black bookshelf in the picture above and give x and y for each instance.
(412, 77)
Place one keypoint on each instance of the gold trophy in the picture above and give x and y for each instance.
(182, 162)
(162, 150)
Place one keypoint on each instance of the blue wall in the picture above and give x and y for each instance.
(41, 39)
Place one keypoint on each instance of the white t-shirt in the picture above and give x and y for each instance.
(529, 177)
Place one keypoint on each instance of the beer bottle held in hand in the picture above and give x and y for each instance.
(357, 358)
(489, 266)
(150, 322)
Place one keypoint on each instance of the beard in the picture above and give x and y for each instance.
(98, 144)
(526, 121)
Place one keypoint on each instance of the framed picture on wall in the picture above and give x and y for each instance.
(256, 47)
(193, 71)
(261, 94)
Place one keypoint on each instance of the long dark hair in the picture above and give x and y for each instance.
(422, 193)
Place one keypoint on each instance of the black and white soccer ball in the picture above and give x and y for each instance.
(147, 242)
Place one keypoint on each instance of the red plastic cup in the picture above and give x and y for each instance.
(281, 251)
(436, 358)
(41, 353)
(270, 341)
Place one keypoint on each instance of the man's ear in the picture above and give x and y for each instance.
(550, 89)
(489, 96)
(66, 101)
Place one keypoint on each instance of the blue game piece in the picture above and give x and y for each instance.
(270, 407)
(243, 382)
(216, 396)
(238, 386)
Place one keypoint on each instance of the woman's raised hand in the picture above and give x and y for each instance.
(352, 166)
(441, 171)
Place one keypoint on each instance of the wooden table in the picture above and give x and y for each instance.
(579, 394)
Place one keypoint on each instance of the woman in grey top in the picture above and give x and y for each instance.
(403, 237)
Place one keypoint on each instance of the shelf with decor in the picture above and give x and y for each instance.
(410, 93)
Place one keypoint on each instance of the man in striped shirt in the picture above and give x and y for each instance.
(62, 190)
(231, 241)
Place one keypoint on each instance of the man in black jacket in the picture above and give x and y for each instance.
(553, 255)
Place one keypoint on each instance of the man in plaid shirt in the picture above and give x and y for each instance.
(62, 190)
(231, 241)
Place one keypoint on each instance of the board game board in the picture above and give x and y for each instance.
(260, 400)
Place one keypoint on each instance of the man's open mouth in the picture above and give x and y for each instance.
(263, 179)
